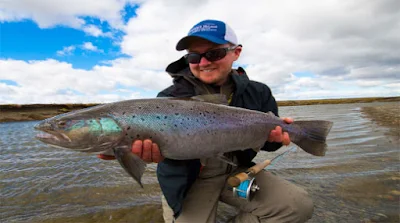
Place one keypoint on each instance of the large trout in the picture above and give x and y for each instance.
(184, 129)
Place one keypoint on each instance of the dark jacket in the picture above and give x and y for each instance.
(177, 176)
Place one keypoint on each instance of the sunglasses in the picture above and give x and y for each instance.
(211, 55)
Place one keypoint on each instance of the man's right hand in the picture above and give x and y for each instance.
(146, 150)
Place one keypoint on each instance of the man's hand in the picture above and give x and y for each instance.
(277, 135)
(146, 150)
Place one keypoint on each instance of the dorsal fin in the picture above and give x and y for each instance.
(212, 98)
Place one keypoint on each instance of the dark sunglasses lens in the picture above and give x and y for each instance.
(214, 55)
(193, 58)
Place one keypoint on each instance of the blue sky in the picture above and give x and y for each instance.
(45, 43)
(72, 51)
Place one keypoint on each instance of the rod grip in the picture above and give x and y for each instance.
(240, 177)
(259, 166)
(237, 179)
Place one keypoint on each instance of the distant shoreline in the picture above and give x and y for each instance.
(30, 112)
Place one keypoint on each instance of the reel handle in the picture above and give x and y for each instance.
(240, 177)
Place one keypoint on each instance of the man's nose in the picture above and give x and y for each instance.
(204, 62)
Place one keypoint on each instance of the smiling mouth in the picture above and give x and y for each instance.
(207, 70)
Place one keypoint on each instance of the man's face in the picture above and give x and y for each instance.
(215, 72)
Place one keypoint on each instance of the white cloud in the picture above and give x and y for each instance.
(95, 31)
(67, 50)
(51, 81)
(89, 46)
(348, 46)
(86, 46)
(50, 13)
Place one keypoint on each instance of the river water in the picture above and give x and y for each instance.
(357, 180)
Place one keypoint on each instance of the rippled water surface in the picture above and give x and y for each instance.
(356, 181)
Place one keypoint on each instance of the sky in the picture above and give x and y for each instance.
(74, 51)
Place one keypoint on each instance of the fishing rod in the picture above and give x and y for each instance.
(244, 184)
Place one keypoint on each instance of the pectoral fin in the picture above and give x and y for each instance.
(130, 162)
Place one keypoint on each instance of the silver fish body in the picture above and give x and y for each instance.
(183, 129)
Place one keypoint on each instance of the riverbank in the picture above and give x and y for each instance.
(387, 116)
(31, 112)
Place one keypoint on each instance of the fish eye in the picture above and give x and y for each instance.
(61, 124)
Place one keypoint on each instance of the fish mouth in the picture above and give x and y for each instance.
(49, 136)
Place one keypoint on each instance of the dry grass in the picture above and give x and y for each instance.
(338, 101)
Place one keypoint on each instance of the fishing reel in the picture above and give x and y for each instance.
(244, 183)
(246, 189)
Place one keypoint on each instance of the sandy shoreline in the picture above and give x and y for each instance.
(12, 113)
(388, 116)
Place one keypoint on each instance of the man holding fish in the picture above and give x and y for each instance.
(192, 188)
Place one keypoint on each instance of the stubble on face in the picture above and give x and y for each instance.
(216, 72)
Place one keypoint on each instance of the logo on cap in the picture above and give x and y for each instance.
(204, 28)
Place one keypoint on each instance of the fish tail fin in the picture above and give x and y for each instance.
(131, 163)
(312, 138)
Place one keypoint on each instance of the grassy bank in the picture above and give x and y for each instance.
(30, 112)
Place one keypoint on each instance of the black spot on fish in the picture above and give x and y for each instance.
(139, 107)
(128, 128)
(126, 134)
(158, 117)
(157, 107)
(165, 117)
(133, 116)
(161, 130)
(123, 113)
(176, 113)
(151, 137)
(137, 136)
(142, 119)
(175, 125)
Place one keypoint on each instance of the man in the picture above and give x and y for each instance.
(193, 188)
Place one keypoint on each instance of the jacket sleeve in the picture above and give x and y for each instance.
(269, 104)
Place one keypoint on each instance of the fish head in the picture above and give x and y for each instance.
(80, 132)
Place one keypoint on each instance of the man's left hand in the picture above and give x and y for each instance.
(277, 135)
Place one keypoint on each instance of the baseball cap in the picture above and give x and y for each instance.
(212, 30)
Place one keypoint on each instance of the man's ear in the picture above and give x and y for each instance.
(237, 51)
